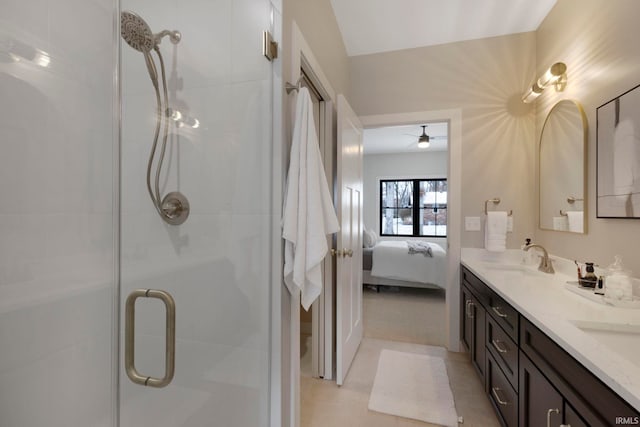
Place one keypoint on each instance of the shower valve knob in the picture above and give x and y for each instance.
(175, 208)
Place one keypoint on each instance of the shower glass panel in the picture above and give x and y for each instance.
(216, 265)
(57, 240)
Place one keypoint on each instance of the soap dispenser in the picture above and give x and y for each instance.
(618, 282)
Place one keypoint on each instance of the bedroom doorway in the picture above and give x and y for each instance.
(396, 217)
(405, 238)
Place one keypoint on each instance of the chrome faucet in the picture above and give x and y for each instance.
(546, 265)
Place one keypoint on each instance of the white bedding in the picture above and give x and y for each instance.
(391, 259)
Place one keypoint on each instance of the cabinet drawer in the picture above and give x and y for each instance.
(596, 403)
(504, 350)
(502, 396)
(477, 286)
(505, 315)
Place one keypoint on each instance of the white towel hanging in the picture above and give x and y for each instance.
(576, 221)
(495, 231)
(308, 212)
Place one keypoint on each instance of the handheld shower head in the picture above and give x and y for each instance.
(135, 31)
(174, 207)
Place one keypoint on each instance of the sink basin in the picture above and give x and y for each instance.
(514, 268)
(621, 338)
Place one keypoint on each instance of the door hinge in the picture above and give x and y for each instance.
(269, 46)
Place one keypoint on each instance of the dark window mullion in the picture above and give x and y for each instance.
(416, 207)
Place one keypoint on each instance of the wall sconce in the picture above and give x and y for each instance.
(556, 75)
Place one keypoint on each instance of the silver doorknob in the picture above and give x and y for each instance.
(348, 252)
(337, 253)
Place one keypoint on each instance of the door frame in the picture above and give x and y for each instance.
(302, 58)
(454, 202)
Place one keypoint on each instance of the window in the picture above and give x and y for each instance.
(400, 215)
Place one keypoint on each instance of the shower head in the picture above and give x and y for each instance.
(135, 31)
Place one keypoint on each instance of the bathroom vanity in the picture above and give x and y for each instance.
(547, 356)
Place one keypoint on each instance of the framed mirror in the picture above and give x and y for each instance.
(563, 164)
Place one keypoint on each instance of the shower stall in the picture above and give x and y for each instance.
(138, 210)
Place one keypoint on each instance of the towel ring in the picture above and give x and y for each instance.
(563, 213)
(495, 201)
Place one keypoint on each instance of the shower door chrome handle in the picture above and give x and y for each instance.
(129, 338)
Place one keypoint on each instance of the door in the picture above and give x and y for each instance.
(349, 327)
(208, 312)
(466, 321)
(540, 403)
(571, 417)
(473, 329)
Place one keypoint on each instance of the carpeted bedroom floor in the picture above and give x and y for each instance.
(405, 314)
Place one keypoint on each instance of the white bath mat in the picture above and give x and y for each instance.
(413, 386)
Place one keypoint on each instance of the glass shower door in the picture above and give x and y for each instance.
(57, 275)
(215, 266)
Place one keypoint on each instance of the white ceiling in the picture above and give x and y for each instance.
(372, 26)
(404, 139)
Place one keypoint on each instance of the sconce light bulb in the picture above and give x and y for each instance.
(552, 75)
(534, 92)
(555, 75)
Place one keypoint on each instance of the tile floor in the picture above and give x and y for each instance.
(414, 316)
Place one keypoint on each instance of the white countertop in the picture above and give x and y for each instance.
(610, 345)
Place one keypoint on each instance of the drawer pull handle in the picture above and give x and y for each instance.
(497, 344)
(549, 412)
(471, 305)
(497, 311)
(494, 391)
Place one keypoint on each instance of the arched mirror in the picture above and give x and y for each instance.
(562, 174)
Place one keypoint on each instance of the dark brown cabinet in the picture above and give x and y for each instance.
(540, 403)
(503, 349)
(529, 379)
(571, 417)
(501, 393)
(473, 329)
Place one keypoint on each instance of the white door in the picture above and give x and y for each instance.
(349, 328)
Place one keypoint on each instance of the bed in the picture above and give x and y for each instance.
(389, 263)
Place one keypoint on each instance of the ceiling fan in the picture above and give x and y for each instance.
(424, 139)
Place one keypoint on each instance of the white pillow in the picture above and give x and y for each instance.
(374, 237)
(367, 239)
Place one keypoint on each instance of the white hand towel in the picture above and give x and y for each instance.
(576, 221)
(495, 231)
(308, 212)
